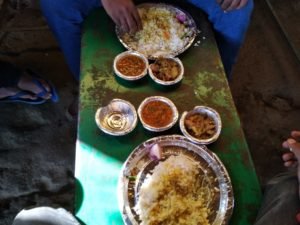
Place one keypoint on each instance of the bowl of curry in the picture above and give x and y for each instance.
(202, 125)
(157, 113)
(166, 71)
(130, 65)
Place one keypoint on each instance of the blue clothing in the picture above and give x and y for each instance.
(230, 28)
(65, 18)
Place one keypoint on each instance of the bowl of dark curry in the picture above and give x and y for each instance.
(166, 71)
(202, 125)
(157, 113)
(130, 65)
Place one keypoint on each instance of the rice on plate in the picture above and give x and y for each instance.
(166, 31)
(172, 195)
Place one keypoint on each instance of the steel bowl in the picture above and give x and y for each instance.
(118, 118)
(202, 110)
(167, 83)
(165, 100)
(130, 78)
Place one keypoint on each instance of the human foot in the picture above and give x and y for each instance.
(291, 158)
(37, 86)
(10, 92)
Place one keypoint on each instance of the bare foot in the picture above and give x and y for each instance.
(8, 92)
(291, 158)
(27, 83)
(296, 135)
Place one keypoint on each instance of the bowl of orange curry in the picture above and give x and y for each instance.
(157, 113)
(202, 125)
(130, 65)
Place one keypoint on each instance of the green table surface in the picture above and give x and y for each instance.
(99, 156)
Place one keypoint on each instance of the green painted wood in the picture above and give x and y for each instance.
(99, 157)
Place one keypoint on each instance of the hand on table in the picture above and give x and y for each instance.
(124, 14)
(228, 5)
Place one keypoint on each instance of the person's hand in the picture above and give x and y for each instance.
(124, 14)
(228, 5)
(292, 158)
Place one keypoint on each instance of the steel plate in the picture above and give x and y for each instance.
(189, 37)
(211, 170)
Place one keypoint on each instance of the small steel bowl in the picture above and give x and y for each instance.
(202, 110)
(118, 118)
(130, 78)
(172, 82)
(165, 100)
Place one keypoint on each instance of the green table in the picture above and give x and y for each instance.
(99, 156)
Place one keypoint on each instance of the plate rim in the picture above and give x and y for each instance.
(121, 191)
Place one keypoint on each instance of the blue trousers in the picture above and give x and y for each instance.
(65, 19)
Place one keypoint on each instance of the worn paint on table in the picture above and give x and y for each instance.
(99, 157)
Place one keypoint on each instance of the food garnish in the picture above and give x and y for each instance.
(155, 152)
(133, 178)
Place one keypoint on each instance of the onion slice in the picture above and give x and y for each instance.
(155, 152)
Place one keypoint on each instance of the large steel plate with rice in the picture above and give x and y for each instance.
(167, 31)
(186, 184)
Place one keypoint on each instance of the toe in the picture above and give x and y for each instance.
(288, 156)
(285, 144)
(296, 134)
(29, 96)
(44, 95)
(291, 164)
(45, 85)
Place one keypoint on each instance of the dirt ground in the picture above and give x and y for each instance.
(37, 143)
(266, 92)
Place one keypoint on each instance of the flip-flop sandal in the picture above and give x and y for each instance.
(18, 98)
(35, 79)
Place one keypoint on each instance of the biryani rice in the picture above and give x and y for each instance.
(171, 196)
(162, 33)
